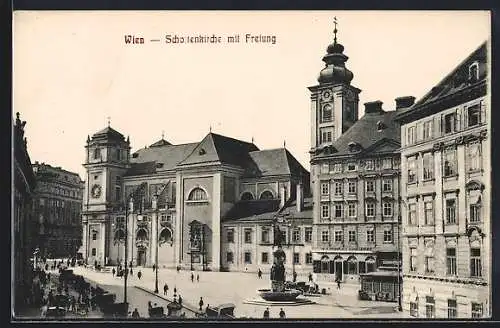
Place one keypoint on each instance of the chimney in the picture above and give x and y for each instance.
(404, 102)
(373, 107)
(282, 196)
(300, 197)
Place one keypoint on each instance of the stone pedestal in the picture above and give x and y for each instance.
(278, 286)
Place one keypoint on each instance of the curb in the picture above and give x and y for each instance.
(190, 308)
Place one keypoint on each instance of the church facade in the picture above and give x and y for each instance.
(171, 199)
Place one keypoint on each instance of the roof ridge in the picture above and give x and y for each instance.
(231, 138)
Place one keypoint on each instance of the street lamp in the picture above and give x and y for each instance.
(155, 207)
(131, 204)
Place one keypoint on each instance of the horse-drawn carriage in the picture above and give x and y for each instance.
(223, 311)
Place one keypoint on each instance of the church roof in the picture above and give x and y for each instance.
(253, 210)
(108, 133)
(159, 158)
(366, 135)
(456, 84)
(274, 162)
(161, 142)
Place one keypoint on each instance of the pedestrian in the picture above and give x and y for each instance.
(294, 276)
(266, 313)
(310, 277)
(282, 314)
(206, 309)
(113, 272)
(259, 274)
(165, 289)
(154, 268)
(192, 276)
(131, 272)
(46, 267)
(149, 305)
(175, 290)
(178, 268)
(338, 283)
(200, 303)
(180, 300)
(139, 274)
(197, 277)
(135, 314)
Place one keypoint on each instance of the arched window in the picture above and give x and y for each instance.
(325, 262)
(326, 114)
(266, 195)
(142, 234)
(352, 265)
(474, 72)
(165, 236)
(246, 196)
(197, 194)
(370, 264)
(119, 235)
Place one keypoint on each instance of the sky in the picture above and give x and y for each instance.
(73, 70)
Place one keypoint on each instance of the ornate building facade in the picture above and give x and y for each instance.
(355, 177)
(57, 207)
(24, 238)
(171, 199)
(445, 190)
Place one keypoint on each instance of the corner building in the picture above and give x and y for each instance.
(445, 190)
(171, 199)
(354, 176)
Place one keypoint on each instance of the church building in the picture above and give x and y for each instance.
(172, 199)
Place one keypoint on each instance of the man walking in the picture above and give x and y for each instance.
(139, 274)
(259, 274)
(294, 276)
(154, 268)
(310, 277)
(192, 276)
(338, 283)
(113, 272)
(198, 277)
(200, 303)
(266, 313)
(165, 289)
(282, 314)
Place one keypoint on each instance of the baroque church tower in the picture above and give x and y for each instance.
(107, 159)
(334, 101)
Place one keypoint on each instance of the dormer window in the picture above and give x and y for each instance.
(380, 126)
(474, 72)
(354, 147)
(202, 152)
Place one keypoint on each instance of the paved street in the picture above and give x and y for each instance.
(236, 287)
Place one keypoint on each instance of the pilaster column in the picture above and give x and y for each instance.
(102, 244)
(216, 204)
(85, 241)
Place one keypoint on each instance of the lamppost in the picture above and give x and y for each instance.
(131, 204)
(155, 207)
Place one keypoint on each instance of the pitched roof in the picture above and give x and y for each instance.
(161, 142)
(215, 148)
(253, 209)
(109, 133)
(453, 83)
(168, 155)
(366, 134)
(274, 162)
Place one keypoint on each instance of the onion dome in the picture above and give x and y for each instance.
(335, 70)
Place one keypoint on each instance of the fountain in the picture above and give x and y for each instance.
(278, 294)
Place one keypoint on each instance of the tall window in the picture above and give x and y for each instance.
(370, 236)
(338, 188)
(97, 153)
(94, 236)
(337, 167)
(296, 235)
(450, 211)
(370, 209)
(352, 236)
(351, 210)
(429, 261)
(428, 159)
(229, 257)
(475, 262)
(388, 236)
(452, 308)
(325, 211)
(414, 308)
(473, 115)
(324, 236)
(94, 252)
(451, 261)
(430, 309)
(450, 162)
(477, 310)
(265, 257)
(265, 235)
(248, 258)
(230, 236)
(429, 212)
(197, 194)
(352, 187)
(326, 135)
(308, 234)
(413, 259)
(370, 186)
(387, 185)
(338, 236)
(296, 258)
(387, 208)
(309, 258)
(412, 169)
(450, 125)
(410, 135)
(326, 115)
(474, 72)
(118, 188)
(474, 157)
(387, 163)
(369, 165)
(248, 236)
(338, 210)
(325, 188)
(352, 266)
(427, 130)
(475, 212)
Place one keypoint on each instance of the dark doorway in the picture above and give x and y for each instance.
(338, 270)
(141, 256)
